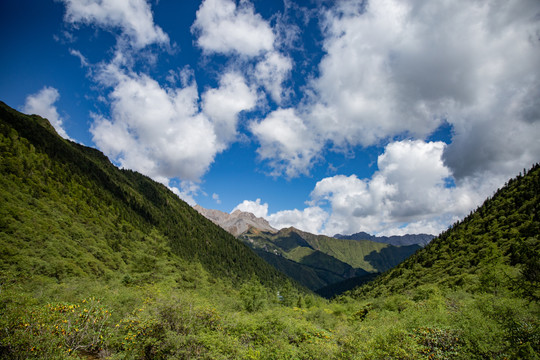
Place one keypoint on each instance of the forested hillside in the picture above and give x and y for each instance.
(495, 248)
(102, 263)
(67, 211)
(396, 240)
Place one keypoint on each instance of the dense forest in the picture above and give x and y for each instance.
(102, 263)
(59, 196)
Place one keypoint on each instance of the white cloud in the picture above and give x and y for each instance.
(311, 219)
(286, 142)
(357, 98)
(157, 131)
(215, 197)
(80, 56)
(133, 17)
(254, 207)
(409, 193)
(222, 27)
(42, 104)
(222, 105)
(272, 72)
(161, 131)
(395, 68)
(186, 191)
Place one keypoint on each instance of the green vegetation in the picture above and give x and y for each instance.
(101, 263)
(67, 211)
(495, 249)
(318, 261)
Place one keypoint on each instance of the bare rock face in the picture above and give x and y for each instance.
(236, 223)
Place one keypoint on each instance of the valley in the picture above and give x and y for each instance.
(98, 262)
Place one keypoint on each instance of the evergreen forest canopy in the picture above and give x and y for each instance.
(102, 263)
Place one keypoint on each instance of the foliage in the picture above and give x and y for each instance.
(100, 263)
(67, 211)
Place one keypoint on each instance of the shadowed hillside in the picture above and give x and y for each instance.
(67, 211)
(317, 261)
(396, 240)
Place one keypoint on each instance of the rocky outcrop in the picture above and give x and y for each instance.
(236, 223)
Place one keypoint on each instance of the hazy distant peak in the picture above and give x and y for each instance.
(396, 240)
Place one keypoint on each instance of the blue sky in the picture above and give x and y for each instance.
(382, 116)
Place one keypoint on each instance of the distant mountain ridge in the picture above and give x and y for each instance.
(237, 222)
(317, 261)
(396, 240)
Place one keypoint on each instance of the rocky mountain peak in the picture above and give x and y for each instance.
(237, 222)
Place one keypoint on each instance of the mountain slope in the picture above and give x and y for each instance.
(496, 247)
(89, 269)
(67, 211)
(364, 254)
(317, 261)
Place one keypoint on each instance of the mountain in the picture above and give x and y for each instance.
(317, 261)
(296, 245)
(236, 223)
(396, 240)
(102, 263)
(67, 211)
(494, 249)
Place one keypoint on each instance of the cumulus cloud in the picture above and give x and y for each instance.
(413, 191)
(222, 105)
(272, 72)
(402, 68)
(254, 207)
(42, 104)
(223, 27)
(358, 100)
(410, 192)
(162, 131)
(286, 142)
(157, 131)
(133, 17)
(310, 219)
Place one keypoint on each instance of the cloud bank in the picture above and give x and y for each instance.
(412, 192)
(392, 73)
(402, 68)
